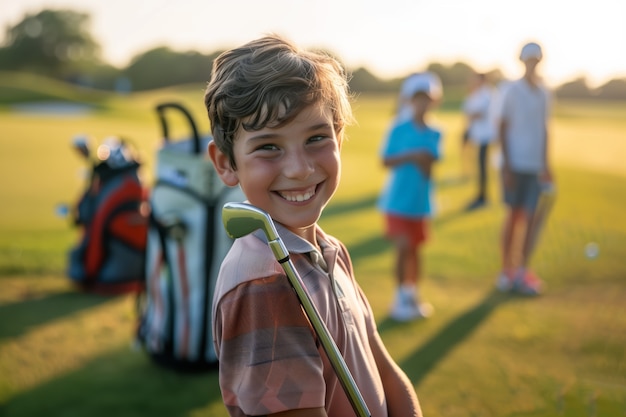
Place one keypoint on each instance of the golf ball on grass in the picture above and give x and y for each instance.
(62, 210)
(592, 250)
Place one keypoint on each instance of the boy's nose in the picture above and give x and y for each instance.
(298, 165)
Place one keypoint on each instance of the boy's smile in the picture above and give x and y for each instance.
(290, 171)
(298, 196)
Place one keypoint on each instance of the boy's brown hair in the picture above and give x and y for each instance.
(268, 81)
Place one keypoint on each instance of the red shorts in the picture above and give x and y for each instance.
(414, 230)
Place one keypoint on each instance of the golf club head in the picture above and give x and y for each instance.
(241, 219)
(81, 144)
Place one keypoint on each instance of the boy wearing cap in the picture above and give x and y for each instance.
(523, 130)
(411, 148)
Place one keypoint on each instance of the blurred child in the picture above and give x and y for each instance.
(411, 148)
(524, 137)
(278, 115)
(479, 113)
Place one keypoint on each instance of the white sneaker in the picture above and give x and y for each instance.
(407, 309)
(504, 282)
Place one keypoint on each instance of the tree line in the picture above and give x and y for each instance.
(59, 44)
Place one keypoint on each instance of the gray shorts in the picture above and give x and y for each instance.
(525, 191)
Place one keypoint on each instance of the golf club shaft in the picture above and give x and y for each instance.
(328, 344)
(544, 206)
(241, 219)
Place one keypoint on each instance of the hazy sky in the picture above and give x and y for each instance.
(389, 37)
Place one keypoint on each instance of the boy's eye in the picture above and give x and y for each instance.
(267, 147)
(317, 138)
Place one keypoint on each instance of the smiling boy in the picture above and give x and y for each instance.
(278, 115)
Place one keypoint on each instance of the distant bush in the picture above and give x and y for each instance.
(613, 90)
(175, 68)
(579, 89)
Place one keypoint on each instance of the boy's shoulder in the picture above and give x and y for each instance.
(249, 258)
(403, 123)
(332, 240)
(435, 129)
(409, 125)
(408, 132)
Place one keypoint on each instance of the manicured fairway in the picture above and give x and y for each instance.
(483, 353)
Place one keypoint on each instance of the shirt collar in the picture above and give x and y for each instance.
(296, 244)
(292, 242)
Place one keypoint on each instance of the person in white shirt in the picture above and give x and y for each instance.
(523, 131)
(480, 131)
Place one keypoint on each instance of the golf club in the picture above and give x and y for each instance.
(544, 207)
(241, 219)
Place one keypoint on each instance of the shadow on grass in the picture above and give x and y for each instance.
(376, 244)
(16, 318)
(369, 202)
(421, 362)
(448, 182)
(373, 245)
(447, 217)
(370, 247)
(119, 383)
(342, 208)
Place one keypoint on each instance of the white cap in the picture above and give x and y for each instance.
(423, 82)
(530, 50)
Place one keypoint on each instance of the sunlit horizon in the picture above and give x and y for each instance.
(390, 38)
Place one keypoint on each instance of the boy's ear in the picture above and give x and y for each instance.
(227, 174)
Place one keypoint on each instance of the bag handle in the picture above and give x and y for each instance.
(161, 108)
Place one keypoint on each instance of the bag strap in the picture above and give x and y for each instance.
(161, 109)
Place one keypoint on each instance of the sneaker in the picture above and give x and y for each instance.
(505, 281)
(527, 283)
(407, 309)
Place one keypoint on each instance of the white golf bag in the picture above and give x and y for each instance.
(186, 245)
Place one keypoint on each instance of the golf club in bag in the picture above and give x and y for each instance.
(241, 219)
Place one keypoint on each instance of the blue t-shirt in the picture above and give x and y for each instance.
(408, 192)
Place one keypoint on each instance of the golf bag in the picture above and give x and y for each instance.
(109, 258)
(186, 245)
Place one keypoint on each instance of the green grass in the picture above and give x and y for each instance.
(18, 87)
(63, 353)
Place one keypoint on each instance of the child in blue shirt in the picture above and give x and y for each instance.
(411, 149)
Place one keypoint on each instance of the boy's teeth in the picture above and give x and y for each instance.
(297, 197)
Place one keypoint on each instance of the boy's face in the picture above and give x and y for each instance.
(420, 103)
(475, 81)
(531, 64)
(290, 171)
